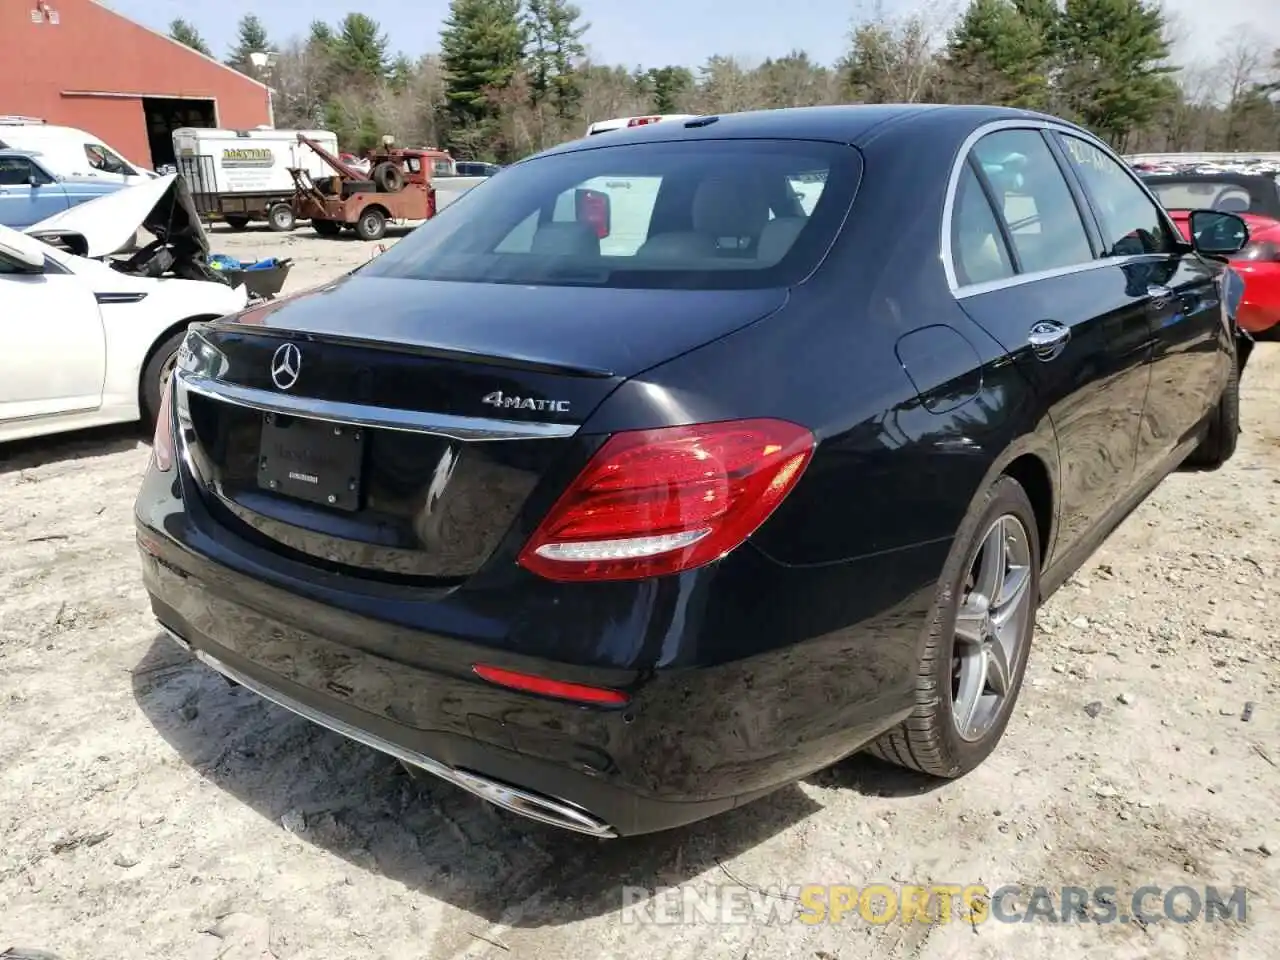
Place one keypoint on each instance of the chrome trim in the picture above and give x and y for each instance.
(175, 637)
(533, 806)
(961, 291)
(386, 418)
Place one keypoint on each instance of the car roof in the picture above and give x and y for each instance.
(15, 152)
(852, 124)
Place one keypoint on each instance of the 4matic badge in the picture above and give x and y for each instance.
(505, 401)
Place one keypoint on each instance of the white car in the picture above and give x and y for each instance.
(87, 336)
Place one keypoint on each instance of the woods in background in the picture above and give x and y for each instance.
(514, 76)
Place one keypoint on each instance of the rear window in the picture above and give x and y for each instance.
(727, 214)
(1201, 195)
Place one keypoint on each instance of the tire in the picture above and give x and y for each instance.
(372, 224)
(1219, 444)
(159, 367)
(281, 219)
(326, 228)
(929, 740)
(389, 177)
(236, 223)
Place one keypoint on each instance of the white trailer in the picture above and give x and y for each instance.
(243, 175)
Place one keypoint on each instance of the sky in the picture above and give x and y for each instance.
(658, 32)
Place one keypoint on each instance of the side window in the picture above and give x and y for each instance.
(978, 252)
(15, 171)
(108, 161)
(1035, 201)
(1130, 222)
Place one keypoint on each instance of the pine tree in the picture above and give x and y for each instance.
(996, 54)
(251, 37)
(671, 85)
(360, 50)
(567, 50)
(401, 73)
(1116, 75)
(481, 45)
(188, 35)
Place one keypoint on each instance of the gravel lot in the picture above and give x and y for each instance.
(147, 809)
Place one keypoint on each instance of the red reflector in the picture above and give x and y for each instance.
(656, 502)
(162, 442)
(549, 688)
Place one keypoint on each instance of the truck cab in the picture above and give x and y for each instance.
(31, 192)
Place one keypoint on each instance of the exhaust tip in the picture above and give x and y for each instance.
(534, 806)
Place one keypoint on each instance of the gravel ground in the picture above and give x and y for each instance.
(147, 809)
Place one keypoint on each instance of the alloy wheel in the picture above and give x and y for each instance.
(991, 627)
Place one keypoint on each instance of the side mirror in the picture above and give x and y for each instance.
(593, 207)
(26, 253)
(1217, 233)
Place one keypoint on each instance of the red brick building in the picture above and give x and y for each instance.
(79, 64)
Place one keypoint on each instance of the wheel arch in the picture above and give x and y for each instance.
(1032, 473)
(374, 206)
(1031, 457)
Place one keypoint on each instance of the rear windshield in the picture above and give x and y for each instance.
(726, 214)
(1202, 195)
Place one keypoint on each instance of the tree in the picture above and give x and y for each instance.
(890, 62)
(481, 45)
(553, 51)
(400, 74)
(726, 86)
(671, 87)
(188, 35)
(795, 81)
(997, 54)
(1242, 69)
(360, 50)
(1115, 76)
(565, 34)
(251, 37)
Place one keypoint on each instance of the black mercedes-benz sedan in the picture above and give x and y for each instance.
(678, 463)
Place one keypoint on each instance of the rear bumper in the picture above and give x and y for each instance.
(695, 741)
(532, 805)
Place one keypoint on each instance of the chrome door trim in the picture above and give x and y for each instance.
(961, 291)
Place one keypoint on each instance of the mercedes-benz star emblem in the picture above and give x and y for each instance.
(286, 364)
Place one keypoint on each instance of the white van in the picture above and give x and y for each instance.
(69, 152)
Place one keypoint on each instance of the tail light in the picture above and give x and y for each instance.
(657, 502)
(641, 121)
(1261, 251)
(162, 444)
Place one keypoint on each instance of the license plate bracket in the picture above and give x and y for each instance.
(312, 460)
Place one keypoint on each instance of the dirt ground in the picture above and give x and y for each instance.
(148, 809)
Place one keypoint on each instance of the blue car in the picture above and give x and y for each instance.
(30, 192)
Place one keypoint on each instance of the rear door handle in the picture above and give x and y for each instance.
(1048, 339)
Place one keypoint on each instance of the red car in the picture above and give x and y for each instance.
(1256, 198)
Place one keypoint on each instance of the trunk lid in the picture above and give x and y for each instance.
(413, 419)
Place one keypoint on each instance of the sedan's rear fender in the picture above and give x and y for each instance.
(894, 466)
